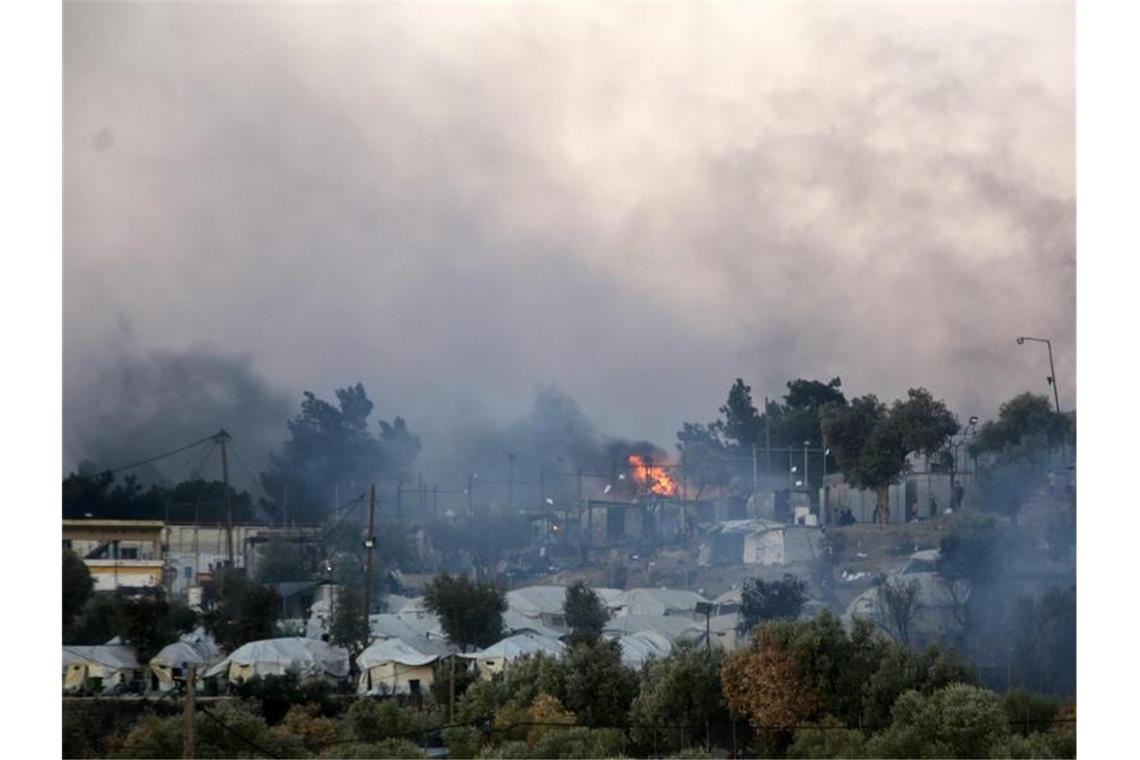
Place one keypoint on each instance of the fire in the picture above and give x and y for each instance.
(651, 477)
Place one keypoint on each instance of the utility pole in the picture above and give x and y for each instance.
(222, 438)
(189, 715)
(369, 544)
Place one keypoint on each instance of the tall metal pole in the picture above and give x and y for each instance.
(369, 544)
(1053, 374)
(222, 438)
(189, 715)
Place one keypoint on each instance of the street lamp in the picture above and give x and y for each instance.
(1052, 379)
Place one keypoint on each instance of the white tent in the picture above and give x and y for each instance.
(387, 625)
(308, 658)
(637, 648)
(399, 665)
(494, 658)
(655, 601)
(112, 667)
(671, 627)
(197, 648)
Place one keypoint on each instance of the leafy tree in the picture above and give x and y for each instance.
(284, 561)
(956, 721)
(584, 611)
(681, 689)
(306, 723)
(77, 586)
(837, 661)
(871, 442)
(597, 686)
(236, 730)
(470, 613)
(1024, 419)
(486, 539)
(1045, 642)
(897, 603)
(827, 738)
(903, 669)
(763, 600)
(330, 445)
(349, 628)
(1028, 712)
(369, 721)
(149, 624)
(238, 610)
(742, 425)
(99, 495)
(766, 684)
(703, 456)
(96, 623)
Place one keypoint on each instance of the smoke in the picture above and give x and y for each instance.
(639, 203)
(137, 406)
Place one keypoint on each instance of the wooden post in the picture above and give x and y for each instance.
(451, 687)
(189, 715)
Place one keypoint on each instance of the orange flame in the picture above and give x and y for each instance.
(651, 477)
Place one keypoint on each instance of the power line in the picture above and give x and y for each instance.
(235, 732)
(161, 456)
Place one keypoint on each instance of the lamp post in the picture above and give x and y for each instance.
(1052, 379)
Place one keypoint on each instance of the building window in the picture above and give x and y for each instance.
(130, 552)
(67, 544)
(414, 686)
(188, 572)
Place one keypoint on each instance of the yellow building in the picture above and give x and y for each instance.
(121, 554)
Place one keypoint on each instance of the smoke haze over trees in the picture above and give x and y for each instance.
(896, 203)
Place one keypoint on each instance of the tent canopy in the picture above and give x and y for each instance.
(306, 657)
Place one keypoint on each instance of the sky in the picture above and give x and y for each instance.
(458, 206)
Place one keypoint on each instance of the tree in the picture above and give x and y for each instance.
(956, 721)
(763, 600)
(239, 610)
(330, 446)
(703, 455)
(584, 611)
(349, 627)
(471, 613)
(1026, 419)
(827, 738)
(236, 730)
(766, 684)
(77, 586)
(681, 689)
(871, 442)
(837, 661)
(742, 425)
(597, 686)
(149, 624)
(897, 603)
(903, 669)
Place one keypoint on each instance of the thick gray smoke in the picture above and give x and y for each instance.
(140, 406)
(639, 203)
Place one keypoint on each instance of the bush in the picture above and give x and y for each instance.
(389, 748)
(370, 721)
(462, 741)
(1029, 713)
(831, 739)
